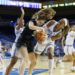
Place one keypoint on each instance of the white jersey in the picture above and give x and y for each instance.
(18, 32)
(50, 30)
(69, 49)
(70, 38)
(39, 48)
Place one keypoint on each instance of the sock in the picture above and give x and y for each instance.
(61, 64)
(61, 67)
(51, 66)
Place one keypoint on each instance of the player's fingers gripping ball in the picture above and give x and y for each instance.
(40, 36)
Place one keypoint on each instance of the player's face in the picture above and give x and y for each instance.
(40, 22)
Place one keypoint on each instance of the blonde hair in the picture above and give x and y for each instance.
(44, 14)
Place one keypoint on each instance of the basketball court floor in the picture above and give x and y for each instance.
(41, 68)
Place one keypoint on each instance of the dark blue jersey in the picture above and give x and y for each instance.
(27, 32)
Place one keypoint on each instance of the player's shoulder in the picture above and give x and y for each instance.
(51, 22)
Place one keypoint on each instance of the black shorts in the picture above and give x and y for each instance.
(28, 43)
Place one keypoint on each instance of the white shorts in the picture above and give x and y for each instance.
(40, 48)
(50, 45)
(69, 49)
(17, 53)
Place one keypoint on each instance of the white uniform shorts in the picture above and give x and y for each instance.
(43, 48)
(16, 52)
(69, 49)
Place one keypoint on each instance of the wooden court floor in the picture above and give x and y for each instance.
(42, 64)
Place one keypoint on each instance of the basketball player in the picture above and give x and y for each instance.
(18, 30)
(62, 29)
(50, 14)
(39, 46)
(69, 49)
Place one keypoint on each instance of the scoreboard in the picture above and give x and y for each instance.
(21, 4)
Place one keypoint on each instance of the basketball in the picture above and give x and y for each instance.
(40, 36)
